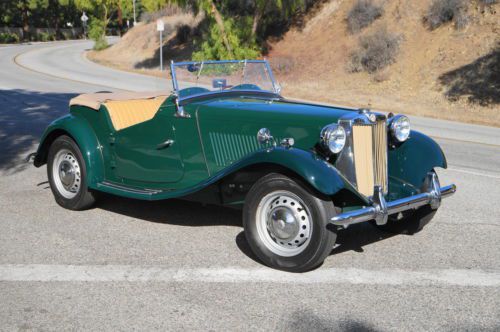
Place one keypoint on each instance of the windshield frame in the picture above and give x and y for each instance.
(276, 88)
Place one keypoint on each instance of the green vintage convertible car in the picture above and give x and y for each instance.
(300, 172)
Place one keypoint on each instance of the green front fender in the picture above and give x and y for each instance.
(82, 133)
(412, 160)
(316, 171)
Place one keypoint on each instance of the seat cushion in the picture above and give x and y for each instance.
(126, 113)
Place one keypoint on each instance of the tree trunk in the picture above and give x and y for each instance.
(57, 19)
(220, 23)
(257, 16)
(105, 20)
(26, 24)
(119, 19)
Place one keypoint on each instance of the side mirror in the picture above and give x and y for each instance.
(219, 83)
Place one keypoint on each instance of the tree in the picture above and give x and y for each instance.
(26, 7)
(156, 5)
(102, 9)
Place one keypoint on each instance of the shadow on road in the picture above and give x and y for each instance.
(192, 214)
(307, 320)
(356, 236)
(479, 81)
(23, 117)
(172, 211)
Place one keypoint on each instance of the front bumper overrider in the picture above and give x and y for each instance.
(380, 209)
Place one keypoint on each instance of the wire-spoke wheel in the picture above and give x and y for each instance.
(67, 175)
(286, 224)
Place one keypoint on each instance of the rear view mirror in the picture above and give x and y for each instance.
(192, 68)
(219, 83)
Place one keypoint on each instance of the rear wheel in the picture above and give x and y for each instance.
(67, 175)
(286, 224)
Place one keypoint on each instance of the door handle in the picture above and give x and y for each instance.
(165, 144)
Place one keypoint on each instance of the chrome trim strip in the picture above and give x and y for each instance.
(201, 142)
(380, 209)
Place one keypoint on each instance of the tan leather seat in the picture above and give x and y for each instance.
(124, 108)
(127, 113)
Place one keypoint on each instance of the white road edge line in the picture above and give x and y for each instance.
(473, 173)
(128, 273)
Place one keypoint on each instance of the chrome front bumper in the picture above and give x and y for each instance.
(380, 209)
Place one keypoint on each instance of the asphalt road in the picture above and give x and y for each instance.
(133, 265)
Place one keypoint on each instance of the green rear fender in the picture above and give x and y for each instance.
(82, 133)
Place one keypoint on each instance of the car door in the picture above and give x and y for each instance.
(148, 152)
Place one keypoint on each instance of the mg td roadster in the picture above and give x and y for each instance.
(300, 172)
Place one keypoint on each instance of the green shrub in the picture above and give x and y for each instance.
(376, 51)
(97, 32)
(362, 14)
(7, 38)
(443, 11)
(45, 37)
(213, 47)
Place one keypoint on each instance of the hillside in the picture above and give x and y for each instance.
(445, 73)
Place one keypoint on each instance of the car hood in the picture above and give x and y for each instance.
(245, 116)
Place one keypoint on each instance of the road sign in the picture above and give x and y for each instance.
(160, 26)
(84, 18)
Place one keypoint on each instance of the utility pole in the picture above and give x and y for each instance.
(135, 21)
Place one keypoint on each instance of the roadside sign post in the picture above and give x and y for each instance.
(84, 19)
(160, 26)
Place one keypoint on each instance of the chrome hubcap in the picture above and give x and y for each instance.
(284, 223)
(66, 173)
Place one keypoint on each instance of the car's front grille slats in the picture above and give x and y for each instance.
(363, 157)
(380, 153)
(370, 156)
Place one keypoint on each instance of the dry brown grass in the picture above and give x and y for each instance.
(410, 85)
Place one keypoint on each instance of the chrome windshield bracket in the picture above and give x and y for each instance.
(180, 113)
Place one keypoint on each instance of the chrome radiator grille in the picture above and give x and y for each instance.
(369, 146)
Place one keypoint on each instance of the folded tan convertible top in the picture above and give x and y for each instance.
(94, 100)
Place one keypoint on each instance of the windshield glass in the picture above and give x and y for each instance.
(194, 78)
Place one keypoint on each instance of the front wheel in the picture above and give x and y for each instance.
(67, 175)
(286, 224)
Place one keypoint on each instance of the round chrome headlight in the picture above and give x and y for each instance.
(400, 128)
(333, 137)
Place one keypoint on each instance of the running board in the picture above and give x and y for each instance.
(115, 188)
